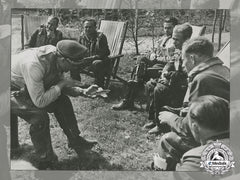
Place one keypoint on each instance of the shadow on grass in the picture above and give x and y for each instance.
(88, 160)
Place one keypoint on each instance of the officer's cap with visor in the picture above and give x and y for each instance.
(72, 51)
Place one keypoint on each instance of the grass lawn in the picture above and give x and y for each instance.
(123, 145)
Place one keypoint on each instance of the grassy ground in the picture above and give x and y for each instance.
(123, 145)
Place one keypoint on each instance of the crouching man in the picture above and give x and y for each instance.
(38, 87)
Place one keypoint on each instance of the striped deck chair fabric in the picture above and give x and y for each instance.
(224, 54)
(115, 32)
(31, 23)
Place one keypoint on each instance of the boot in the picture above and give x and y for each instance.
(160, 128)
(125, 104)
(149, 125)
(155, 130)
(80, 144)
(47, 162)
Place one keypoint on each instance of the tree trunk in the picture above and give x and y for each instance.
(153, 43)
(214, 24)
(220, 30)
(224, 19)
(136, 27)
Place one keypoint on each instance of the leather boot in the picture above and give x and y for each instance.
(160, 128)
(149, 125)
(155, 130)
(80, 144)
(47, 162)
(125, 104)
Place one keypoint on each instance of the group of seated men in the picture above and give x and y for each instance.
(189, 77)
(193, 78)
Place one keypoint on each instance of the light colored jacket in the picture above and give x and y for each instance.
(36, 69)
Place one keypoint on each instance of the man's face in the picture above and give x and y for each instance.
(52, 25)
(178, 40)
(168, 28)
(188, 61)
(89, 28)
(64, 65)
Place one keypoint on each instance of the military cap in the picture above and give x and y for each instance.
(72, 50)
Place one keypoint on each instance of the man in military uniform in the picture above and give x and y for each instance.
(38, 87)
(207, 76)
(97, 45)
(156, 61)
(208, 119)
(172, 96)
(46, 34)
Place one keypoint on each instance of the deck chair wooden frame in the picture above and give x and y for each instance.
(115, 32)
(224, 54)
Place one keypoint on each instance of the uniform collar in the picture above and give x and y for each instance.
(203, 66)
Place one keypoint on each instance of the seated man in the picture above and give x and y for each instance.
(46, 34)
(38, 88)
(207, 76)
(97, 45)
(158, 96)
(141, 75)
(208, 119)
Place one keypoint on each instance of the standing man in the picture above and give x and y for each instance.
(158, 62)
(39, 87)
(46, 34)
(97, 45)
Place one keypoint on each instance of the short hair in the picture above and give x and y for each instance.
(172, 20)
(200, 46)
(54, 18)
(211, 112)
(185, 29)
(90, 20)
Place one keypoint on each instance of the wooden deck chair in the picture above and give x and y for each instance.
(115, 32)
(224, 54)
(198, 31)
(31, 23)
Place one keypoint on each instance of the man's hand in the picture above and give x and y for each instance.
(166, 117)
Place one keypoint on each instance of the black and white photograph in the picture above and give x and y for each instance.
(118, 89)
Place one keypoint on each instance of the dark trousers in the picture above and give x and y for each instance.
(39, 122)
(100, 68)
(159, 95)
(140, 75)
(174, 144)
